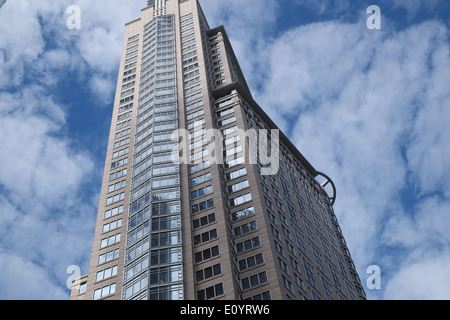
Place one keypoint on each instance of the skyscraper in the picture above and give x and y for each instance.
(202, 196)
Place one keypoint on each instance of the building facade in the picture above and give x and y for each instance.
(202, 196)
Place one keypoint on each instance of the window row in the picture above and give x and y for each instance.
(117, 186)
(231, 140)
(122, 133)
(165, 208)
(238, 186)
(112, 225)
(120, 153)
(126, 79)
(206, 254)
(131, 65)
(110, 240)
(165, 256)
(190, 60)
(109, 256)
(227, 121)
(204, 221)
(165, 239)
(190, 67)
(251, 262)
(137, 249)
(222, 81)
(166, 194)
(205, 237)
(236, 174)
(201, 192)
(199, 167)
(210, 292)
(209, 272)
(202, 206)
(266, 295)
(106, 273)
(197, 133)
(188, 48)
(193, 97)
(231, 152)
(105, 291)
(124, 116)
(200, 179)
(254, 280)
(197, 144)
(165, 169)
(121, 143)
(225, 112)
(245, 228)
(166, 223)
(191, 81)
(138, 233)
(234, 162)
(190, 54)
(165, 275)
(188, 42)
(115, 198)
(135, 286)
(194, 105)
(195, 114)
(191, 74)
(242, 214)
(114, 211)
(195, 124)
(126, 73)
(124, 123)
(240, 200)
(165, 181)
(172, 292)
(126, 107)
(128, 85)
(248, 245)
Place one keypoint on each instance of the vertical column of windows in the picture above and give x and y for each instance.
(114, 202)
(202, 193)
(154, 219)
(216, 56)
(242, 219)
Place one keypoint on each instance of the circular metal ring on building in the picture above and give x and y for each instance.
(325, 183)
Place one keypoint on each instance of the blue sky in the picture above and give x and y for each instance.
(367, 107)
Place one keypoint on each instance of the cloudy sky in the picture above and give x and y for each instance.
(370, 108)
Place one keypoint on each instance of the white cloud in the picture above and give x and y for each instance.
(43, 211)
(429, 153)
(425, 230)
(24, 280)
(21, 41)
(36, 162)
(424, 279)
(104, 87)
(415, 7)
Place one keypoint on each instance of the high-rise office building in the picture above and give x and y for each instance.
(202, 196)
